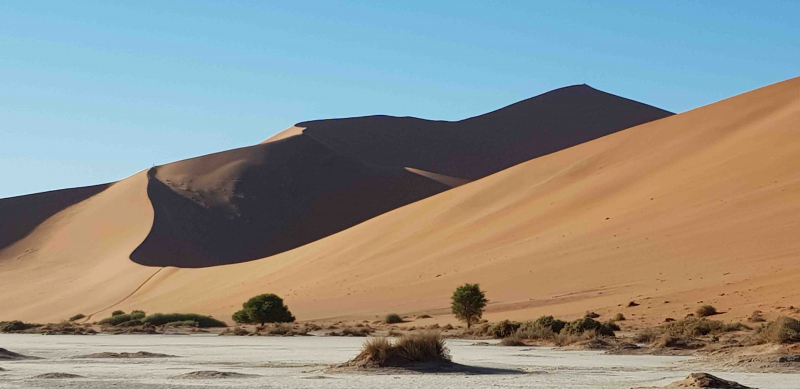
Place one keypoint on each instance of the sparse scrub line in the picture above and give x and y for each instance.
(682, 333)
(547, 329)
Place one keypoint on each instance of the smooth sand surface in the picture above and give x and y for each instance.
(300, 362)
(700, 206)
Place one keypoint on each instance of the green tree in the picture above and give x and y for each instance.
(265, 308)
(468, 303)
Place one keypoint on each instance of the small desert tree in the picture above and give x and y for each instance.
(468, 303)
(264, 308)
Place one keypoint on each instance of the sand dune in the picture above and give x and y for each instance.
(696, 207)
(700, 206)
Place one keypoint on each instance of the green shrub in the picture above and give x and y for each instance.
(264, 308)
(545, 327)
(706, 310)
(183, 323)
(611, 324)
(140, 312)
(16, 326)
(504, 328)
(117, 313)
(119, 319)
(692, 326)
(77, 317)
(467, 304)
(579, 326)
(782, 330)
(392, 318)
(158, 319)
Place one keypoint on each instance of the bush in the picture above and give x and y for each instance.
(647, 335)
(119, 319)
(158, 319)
(782, 330)
(584, 324)
(611, 324)
(504, 329)
(140, 312)
(183, 323)
(706, 310)
(77, 317)
(545, 327)
(392, 318)
(619, 317)
(403, 351)
(513, 340)
(264, 308)
(15, 326)
(468, 302)
(692, 326)
(117, 313)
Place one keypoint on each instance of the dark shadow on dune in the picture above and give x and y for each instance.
(257, 201)
(477, 147)
(21, 214)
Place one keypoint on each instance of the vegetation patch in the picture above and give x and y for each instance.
(120, 318)
(392, 318)
(262, 309)
(783, 330)
(16, 326)
(77, 317)
(706, 310)
(158, 319)
(405, 351)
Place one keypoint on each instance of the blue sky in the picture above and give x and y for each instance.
(91, 92)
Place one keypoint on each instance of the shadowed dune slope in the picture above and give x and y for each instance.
(483, 145)
(701, 206)
(21, 214)
(258, 201)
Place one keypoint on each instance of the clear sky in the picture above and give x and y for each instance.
(92, 92)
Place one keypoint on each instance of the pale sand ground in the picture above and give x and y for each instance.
(700, 206)
(291, 362)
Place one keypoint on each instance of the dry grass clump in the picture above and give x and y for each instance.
(352, 331)
(407, 350)
(782, 330)
(513, 340)
(284, 329)
(706, 310)
(619, 317)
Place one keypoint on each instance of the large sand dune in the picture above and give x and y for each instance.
(697, 206)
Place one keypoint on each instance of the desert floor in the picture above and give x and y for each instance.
(301, 362)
